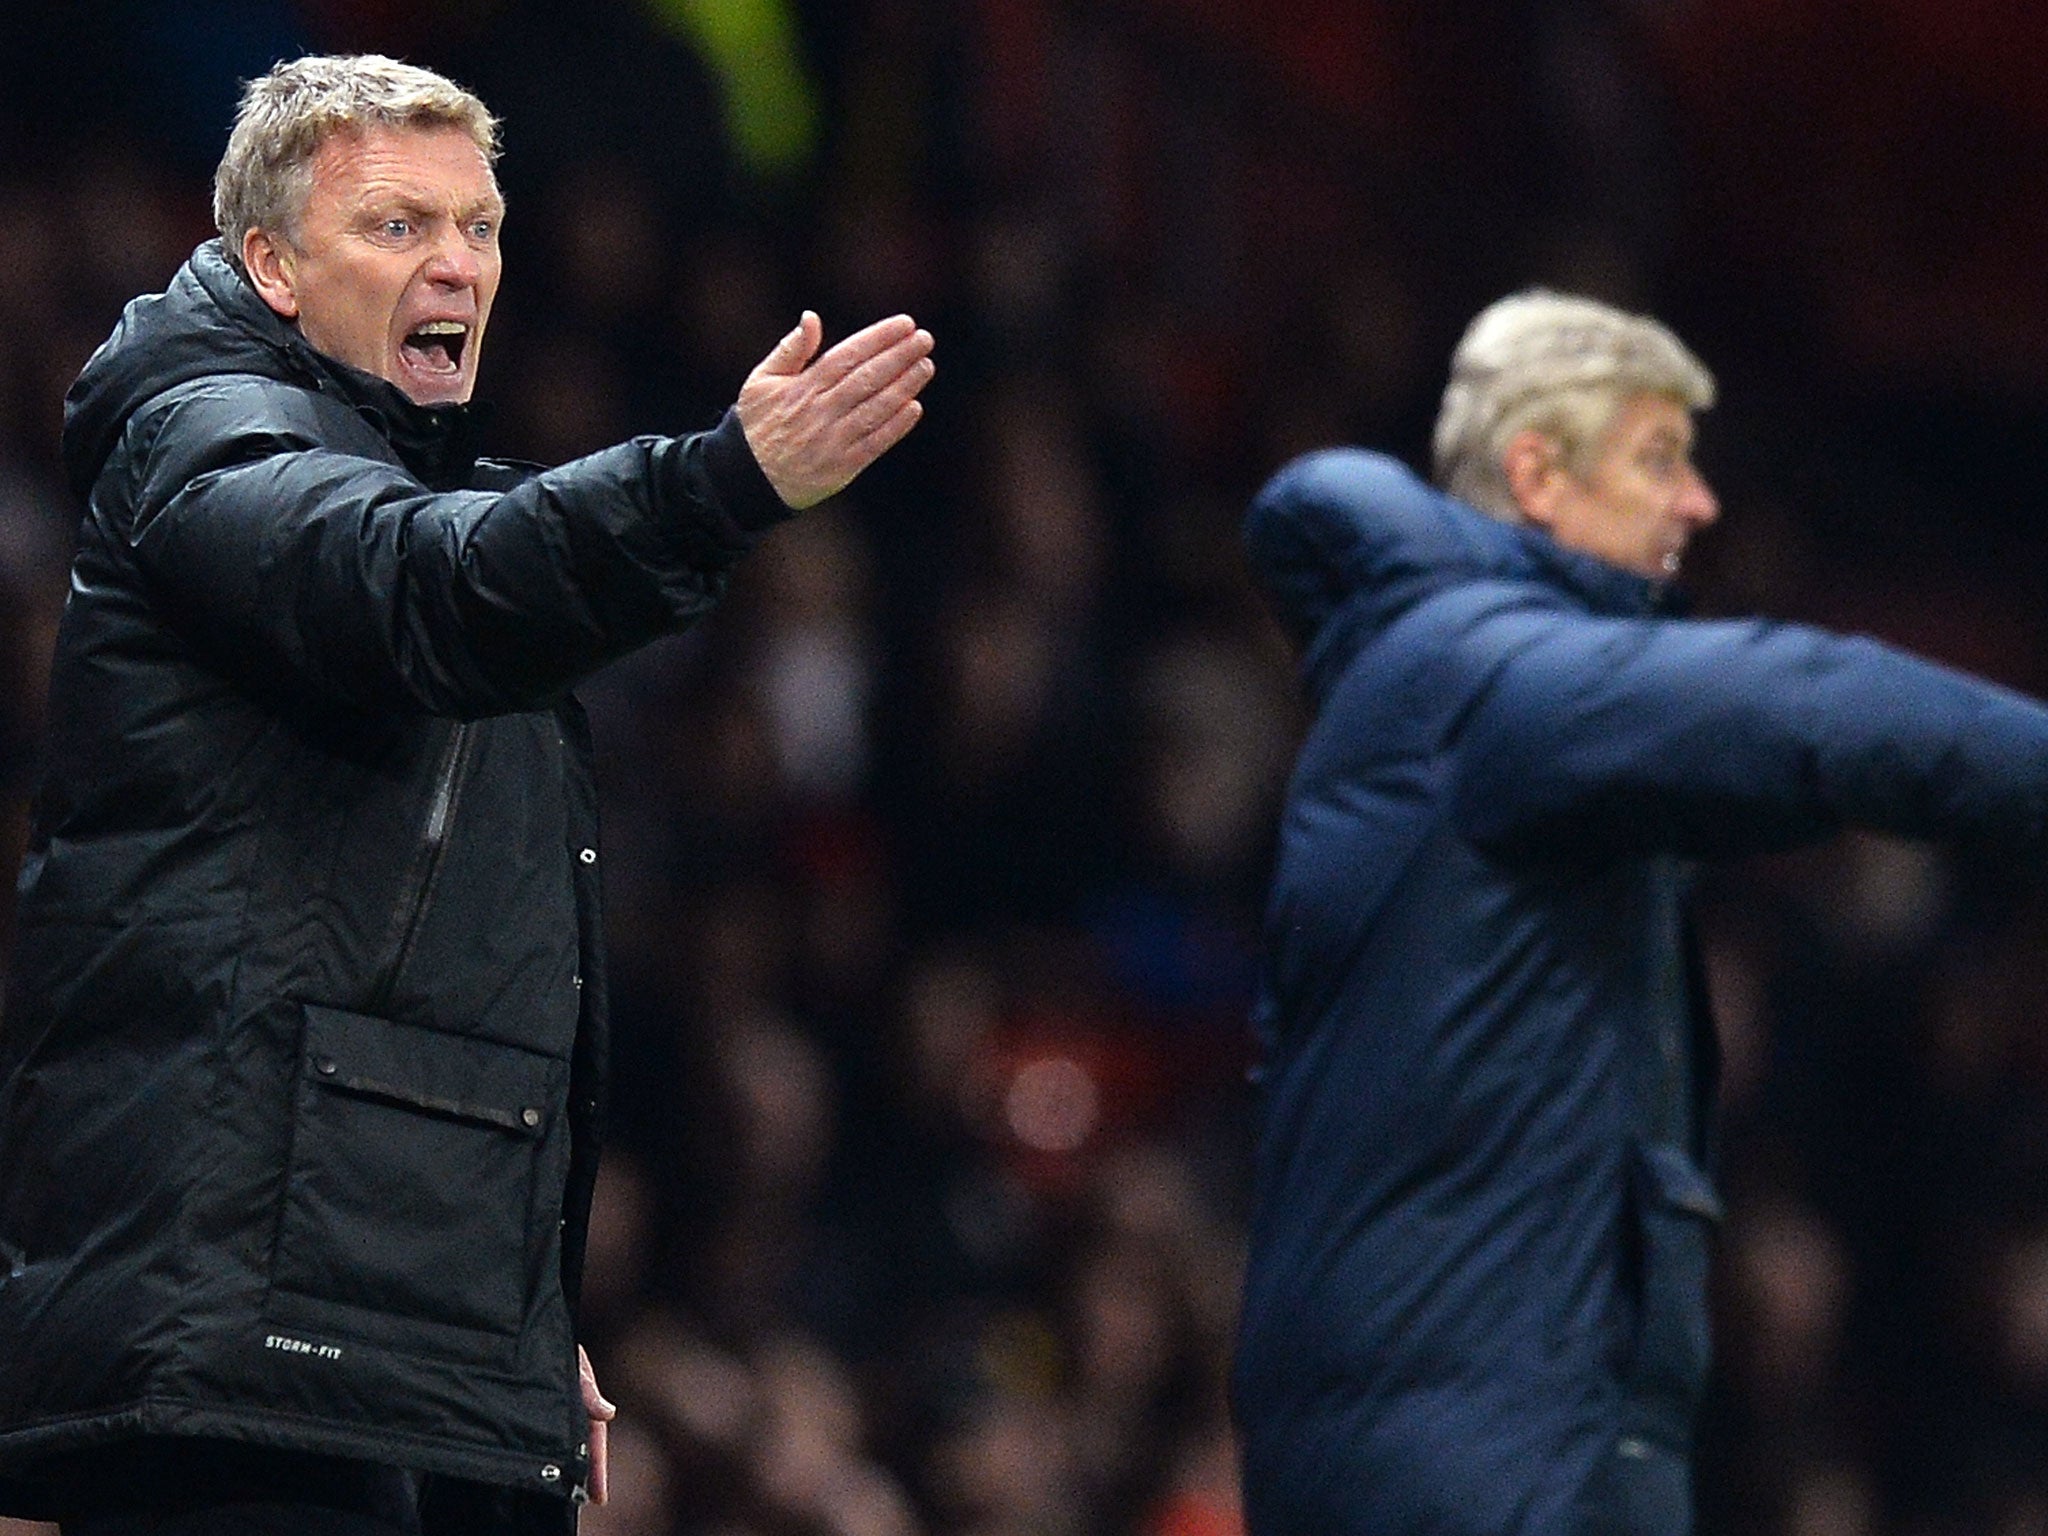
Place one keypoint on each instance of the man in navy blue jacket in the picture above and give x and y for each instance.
(1476, 1299)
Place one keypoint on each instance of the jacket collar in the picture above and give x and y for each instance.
(1347, 541)
(208, 322)
(1604, 588)
(438, 443)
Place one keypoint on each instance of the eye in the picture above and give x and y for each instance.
(397, 229)
(483, 230)
(1663, 460)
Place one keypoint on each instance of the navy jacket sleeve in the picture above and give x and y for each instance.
(1600, 736)
(288, 560)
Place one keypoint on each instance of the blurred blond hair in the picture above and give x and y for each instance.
(1557, 363)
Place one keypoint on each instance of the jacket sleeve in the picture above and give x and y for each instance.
(289, 562)
(1607, 736)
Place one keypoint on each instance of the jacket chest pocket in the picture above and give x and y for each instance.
(410, 1207)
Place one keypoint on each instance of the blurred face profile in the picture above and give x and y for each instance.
(393, 264)
(1641, 500)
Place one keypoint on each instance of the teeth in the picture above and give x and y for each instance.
(442, 328)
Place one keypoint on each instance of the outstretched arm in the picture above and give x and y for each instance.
(1613, 735)
(814, 422)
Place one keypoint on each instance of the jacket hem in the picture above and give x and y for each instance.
(21, 1450)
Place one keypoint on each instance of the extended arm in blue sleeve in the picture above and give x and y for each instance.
(1604, 736)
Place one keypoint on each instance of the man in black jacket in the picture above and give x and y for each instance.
(302, 1069)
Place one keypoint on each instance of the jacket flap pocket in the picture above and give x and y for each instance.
(426, 1069)
(1674, 1180)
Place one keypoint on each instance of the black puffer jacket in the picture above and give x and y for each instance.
(301, 1072)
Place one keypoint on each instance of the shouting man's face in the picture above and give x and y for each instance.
(394, 261)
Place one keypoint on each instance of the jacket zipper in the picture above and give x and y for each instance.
(412, 900)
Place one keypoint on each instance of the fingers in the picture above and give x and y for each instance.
(908, 363)
(865, 430)
(594, 1402)
(889, 433)
(601, 1413)
(813, 430)
(898, 335)
(791, 354)
(865, 416)
(873, 440)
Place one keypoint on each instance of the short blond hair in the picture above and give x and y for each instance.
(1560, 364)
(286, 115)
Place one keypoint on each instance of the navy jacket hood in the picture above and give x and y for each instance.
(1346, 541)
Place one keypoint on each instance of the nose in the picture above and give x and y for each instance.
(454, 262)
(1696, 502)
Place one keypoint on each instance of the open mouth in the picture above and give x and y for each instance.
(437, 346)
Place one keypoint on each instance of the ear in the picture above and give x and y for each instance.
(1534, 466)
(272, 271)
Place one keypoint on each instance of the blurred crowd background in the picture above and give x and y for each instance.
(935, 858)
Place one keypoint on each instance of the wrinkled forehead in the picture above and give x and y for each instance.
(435, 166)
(1654, 417)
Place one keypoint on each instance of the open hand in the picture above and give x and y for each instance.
(814, 422)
